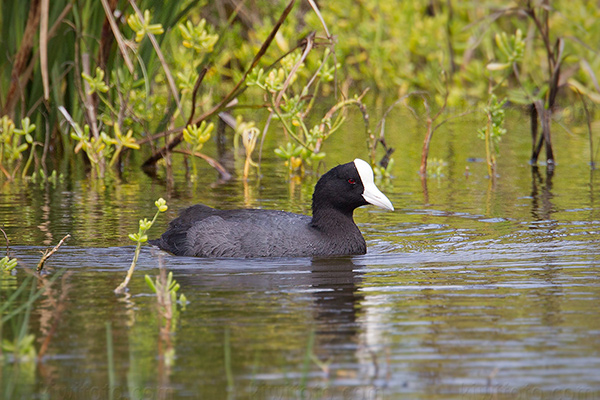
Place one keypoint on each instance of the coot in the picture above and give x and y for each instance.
(203, 231)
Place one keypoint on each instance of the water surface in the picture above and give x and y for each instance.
(469, 290)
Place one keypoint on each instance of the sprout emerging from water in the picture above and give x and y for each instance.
(141, 237)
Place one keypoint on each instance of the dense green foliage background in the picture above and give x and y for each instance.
(138, 78)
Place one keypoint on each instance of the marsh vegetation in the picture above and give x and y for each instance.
(480, 120)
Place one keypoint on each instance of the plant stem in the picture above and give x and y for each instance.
(29, 159)
(121, 288)
(488, 156)
(107, 103)
(115, 156)
(47, 254)
(425, 150)
(288, 128)
(123, 285)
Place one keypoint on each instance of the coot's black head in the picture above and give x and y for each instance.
(347, 187)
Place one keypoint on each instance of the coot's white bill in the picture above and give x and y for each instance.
(371, 194)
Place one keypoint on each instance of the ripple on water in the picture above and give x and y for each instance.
(459, 309)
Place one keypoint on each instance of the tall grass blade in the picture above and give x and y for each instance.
(30, 301)
(118, 36)
(44, 47)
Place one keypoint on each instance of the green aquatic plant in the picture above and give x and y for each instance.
(291, 154)
(294, 111)
(309, 355)
(492, 132)
(7, 264)
(12, 146)
(241, 126)
(140, 238)
(17, 344)
(556, 52)
(166, 290)
(196, 136)
(67, 59)
(511, 50)
(197, 37)
(249, 139)
(92, 146)
(384, 172)
(103, 148)
(54, 177)
(119, 142)
(96, 83)
(142, 27)
(436, 167)
(23, 346)
(27, 129)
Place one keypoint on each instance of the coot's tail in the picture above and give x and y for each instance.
(174, 240)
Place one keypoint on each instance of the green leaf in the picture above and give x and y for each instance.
(22, 148)
(150, 283)
(161, 204)
(183, 300)
(279, 152)
(142, 28)
(8, 264)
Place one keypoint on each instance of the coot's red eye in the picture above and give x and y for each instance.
(351, 181)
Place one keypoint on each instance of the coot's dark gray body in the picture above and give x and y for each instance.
(203, 231)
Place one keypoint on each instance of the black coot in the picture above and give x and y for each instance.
(203, 231)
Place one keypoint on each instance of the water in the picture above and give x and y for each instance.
(468, 290)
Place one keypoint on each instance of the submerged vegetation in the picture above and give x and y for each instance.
(110, 77)
(22, 352)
